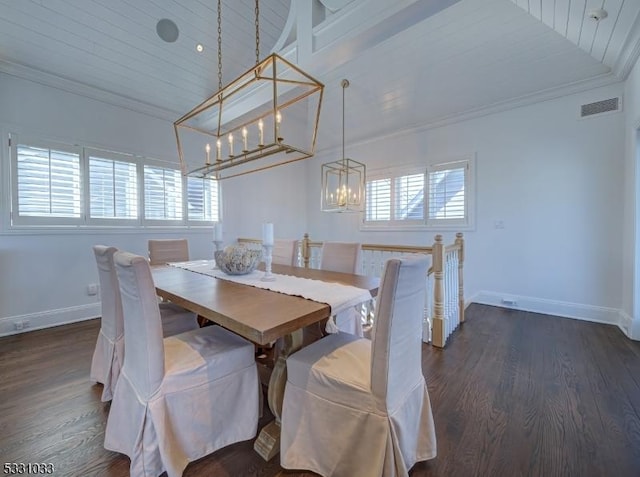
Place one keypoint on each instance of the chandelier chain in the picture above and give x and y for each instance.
(219, 47)
(345, 84)
(257, 12)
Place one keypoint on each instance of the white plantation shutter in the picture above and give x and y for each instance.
(113, 189)
(378, 200)
(409, 197)
(202, 199)
(54, 184)
(48, 182)
(162, 194)
(447, 200)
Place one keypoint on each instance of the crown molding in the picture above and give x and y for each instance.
(630, 52)
(71, 86)
(499, 107)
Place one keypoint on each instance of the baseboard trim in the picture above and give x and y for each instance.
(597, 314)
(625, 323)
(49, 318)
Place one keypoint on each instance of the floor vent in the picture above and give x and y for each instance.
(600, 107)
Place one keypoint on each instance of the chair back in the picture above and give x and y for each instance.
(111, 321)
(396, 362)
(285, 252)
(144, 348)
(342, 257)
(162, 251)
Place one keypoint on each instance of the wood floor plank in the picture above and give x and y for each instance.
(513, 394)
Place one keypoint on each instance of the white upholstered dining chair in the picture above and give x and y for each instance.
(163, 251)
(178, 398)
(344, 257)
(355, 407)
(108, 355)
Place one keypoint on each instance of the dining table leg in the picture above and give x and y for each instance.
(268, 442)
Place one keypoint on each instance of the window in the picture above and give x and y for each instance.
(378, 200)
(47, 183)
(113, 189)
(162, 194)
(71, 186)
(438, 196)
(202, 199)
(409, 192)
(446, 200)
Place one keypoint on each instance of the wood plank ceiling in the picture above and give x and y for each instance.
(113, 44)
(468, 56)
(604, 40)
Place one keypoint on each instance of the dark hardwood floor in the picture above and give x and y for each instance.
(513, 394)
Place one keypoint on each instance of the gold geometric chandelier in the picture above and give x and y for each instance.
(343, 181)
(265, 118)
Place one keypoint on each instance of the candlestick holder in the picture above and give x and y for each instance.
(268, 277)
(218, 244)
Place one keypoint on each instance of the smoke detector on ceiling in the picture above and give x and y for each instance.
(597, 14)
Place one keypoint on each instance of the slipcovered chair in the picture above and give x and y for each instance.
(108, 355)
(163, 251)
(355, 407)
(343, 257)
(285, 252)
(178, 398)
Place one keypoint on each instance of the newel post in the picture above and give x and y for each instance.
(306, 250)
(438, 336)
(460, 243)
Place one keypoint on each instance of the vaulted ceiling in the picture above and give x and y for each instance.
(410, 62)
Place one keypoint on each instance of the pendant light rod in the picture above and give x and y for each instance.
(219, 46)
(345, 84)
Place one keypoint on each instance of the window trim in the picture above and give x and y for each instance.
(425, 224)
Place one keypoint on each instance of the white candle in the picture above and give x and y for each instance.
(230, 144)
(207, 148)
(217, 232)
(267, 234)
(261, 133)
(218, 149)
(244, 139)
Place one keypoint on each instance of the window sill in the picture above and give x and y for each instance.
(102, 230)
(415, 228)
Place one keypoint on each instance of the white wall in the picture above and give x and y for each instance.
(554, 180)
(276, 195)
(631, 267)
(44, 275)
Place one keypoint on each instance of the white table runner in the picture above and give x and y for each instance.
(338, 296)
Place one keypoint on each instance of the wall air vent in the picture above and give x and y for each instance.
(600, 107)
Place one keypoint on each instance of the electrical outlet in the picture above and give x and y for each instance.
(509, 302)
(18, 325)
(92, 289)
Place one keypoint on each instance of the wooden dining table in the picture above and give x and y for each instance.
(259, 315)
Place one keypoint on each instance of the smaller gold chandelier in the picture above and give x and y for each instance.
(343, 181)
